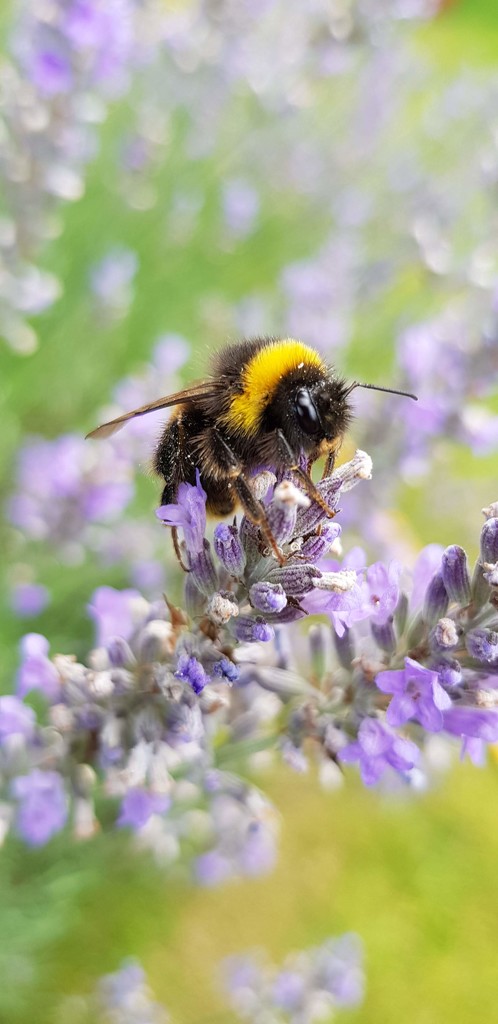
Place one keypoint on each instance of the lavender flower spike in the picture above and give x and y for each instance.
(436, 600)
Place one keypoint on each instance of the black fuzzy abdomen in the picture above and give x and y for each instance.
(187, 444)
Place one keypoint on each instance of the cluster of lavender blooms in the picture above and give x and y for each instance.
(308, 986)
(71, 494)
(172, 699)
(68, 60)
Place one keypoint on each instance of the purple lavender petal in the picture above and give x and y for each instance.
(480, 723)
(42, 809)
(29, 599)
(189, 513)
(112, 612)
(36, 671)
(139, 805)
(401, 708)
(16, 718)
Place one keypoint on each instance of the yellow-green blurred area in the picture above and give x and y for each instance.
(417, 877)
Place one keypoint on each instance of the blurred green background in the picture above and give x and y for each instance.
(416, 879)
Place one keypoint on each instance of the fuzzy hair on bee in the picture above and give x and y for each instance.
(266, 403)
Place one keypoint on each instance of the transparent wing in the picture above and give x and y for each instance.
(191, 394)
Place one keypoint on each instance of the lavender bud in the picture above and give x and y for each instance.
(316, 546)
(228, 547)
(491, 574)
(291, 613)
(226, 670)
(157, 641)
(489, 540)
(296, 579)
(283, 510)
(358, 468)
(449, 671)
(480, 586)
(308, 519)
(268, 597)
(491, 511)
(119, 652)
(203, 570)
(482, 644)
(436, 599)
(344, 646)
(222, 606)
(261, 483)
(445, 635)
(250, 539)
(455, 575)
(191, 670)
(249, 630)
(384, 635)
(281, 681)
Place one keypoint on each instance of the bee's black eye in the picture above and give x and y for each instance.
(306, 412)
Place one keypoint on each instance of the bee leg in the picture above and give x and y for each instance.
(304, 478)
(329, 465)
(178, 551)
(255, 511)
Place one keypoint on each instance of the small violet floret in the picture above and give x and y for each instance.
(191, 670)
(42, 805)
(189, 513)
(139, 805)
(378, 748)
(417, 694)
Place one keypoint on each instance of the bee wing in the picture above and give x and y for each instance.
(191, 394)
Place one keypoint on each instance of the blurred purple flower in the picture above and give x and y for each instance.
(113, 612)
(417, 693)
(62, 484)
(29, 599)
(125, 998)
(111, 280)
(139, 805)
(51, 72)
(190, 669)
(472, 722)
(36, 671)
(338, 969)
(42, 805)
(378, 748)
(212, 868)
(240, 206)
(380, 591)
(16, 718)
(188, 513)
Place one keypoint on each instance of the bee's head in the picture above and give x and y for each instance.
(322, 411)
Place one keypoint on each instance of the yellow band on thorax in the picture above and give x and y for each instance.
(261, 377)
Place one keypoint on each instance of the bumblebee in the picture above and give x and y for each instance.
(268, 403)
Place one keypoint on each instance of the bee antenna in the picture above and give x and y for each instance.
(377, 387)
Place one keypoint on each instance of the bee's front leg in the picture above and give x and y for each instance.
(291, 461)
(256, 512)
